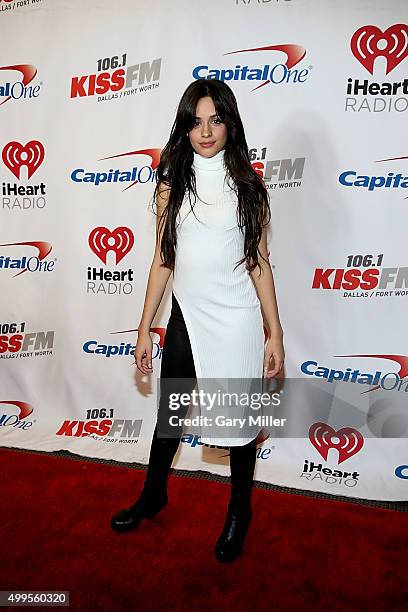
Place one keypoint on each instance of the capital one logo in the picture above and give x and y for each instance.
(137, 174)
(402, 472)
(15, 156)
(34, 263)
(19, 89)
(24, 409)
(101, 240)
(160, 331)
(16, 421)
(277, 74)
(347, 441)
(369, 42)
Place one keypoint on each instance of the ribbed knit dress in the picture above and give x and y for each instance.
(220, 306)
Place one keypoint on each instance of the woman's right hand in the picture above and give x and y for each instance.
(143, 353)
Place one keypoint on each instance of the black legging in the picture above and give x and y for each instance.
(177, 374)
(178, 363)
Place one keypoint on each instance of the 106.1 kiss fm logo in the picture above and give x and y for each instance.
(100, 424)
(368, 44)
(277, 173)
(103, 241)
(363, 277)
(11, 5)
(20, 159)
(115, 79)
(17, 343)
(346, 441)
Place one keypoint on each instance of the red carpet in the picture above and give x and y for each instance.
(300, 551)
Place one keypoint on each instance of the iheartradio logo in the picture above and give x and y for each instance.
(347, 441)
(101, 240)
(369, 42)
(15, 156)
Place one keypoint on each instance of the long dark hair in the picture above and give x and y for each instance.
(175, 171)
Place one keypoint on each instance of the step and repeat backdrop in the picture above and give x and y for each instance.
(88, 94)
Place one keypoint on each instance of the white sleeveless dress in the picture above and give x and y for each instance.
(220, 306)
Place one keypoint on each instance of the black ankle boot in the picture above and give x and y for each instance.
(154, 494)
(145, 507)
(242, 462)
(230, 543)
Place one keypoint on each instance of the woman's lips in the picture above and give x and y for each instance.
(207, 145)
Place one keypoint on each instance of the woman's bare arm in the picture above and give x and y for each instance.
(265, 287)
(274, 351)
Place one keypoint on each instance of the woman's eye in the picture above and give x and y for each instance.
(215, 121)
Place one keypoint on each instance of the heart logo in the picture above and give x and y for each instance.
(15, 155)
(349, 440)
(369, 42)
(120, 240)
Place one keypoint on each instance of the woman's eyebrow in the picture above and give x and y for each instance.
(211, 116)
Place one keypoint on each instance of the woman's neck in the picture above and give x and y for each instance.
(209, 164)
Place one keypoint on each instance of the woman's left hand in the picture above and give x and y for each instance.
(274, 356)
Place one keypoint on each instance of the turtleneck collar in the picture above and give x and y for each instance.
(210, 164)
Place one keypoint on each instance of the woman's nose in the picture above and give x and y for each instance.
(205, 129)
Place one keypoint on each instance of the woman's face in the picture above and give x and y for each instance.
(209, 134)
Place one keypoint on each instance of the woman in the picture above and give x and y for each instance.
(212, 218)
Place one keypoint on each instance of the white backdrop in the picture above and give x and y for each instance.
(88, 93)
